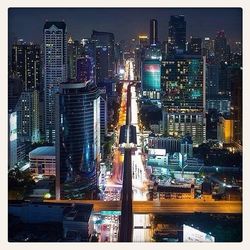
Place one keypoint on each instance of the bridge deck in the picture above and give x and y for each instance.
(166, 206)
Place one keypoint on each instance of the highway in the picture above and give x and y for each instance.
(166, 206)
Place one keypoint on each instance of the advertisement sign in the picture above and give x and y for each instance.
(151, 75)
(13, 126)
(191, 234)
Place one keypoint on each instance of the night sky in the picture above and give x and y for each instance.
(27, 23)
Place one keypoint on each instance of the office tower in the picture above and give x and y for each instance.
(151, 79)
(224, 81)
(28, 125)
(84, 69)
(236, 103)
(103, 114)
(212, 81)
(183, 88)
(15, 88)
(208, 47)
(26, 64)
(225, 130)
(221, 48)
(74, 51)
(195, 46)
(105, 59)
(153, 32)
(118, 58)
(55, 70)
(77, 139)
(12, 139)
(143, 41)
(176, 35)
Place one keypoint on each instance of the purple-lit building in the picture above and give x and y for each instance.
(84, 69)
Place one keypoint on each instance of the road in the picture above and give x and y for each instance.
(166, 206)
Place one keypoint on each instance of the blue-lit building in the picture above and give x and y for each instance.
(55, 70)
(77, 140)
(176, 35)
(85, 69)
(105, 55)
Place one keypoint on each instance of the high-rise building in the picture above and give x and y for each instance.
(28, 125)
(74, 51)
(26, 64)
(55, 70)
(195, 46)
(212, 81)
(103, 113)
(225, 130)
(236, 103)
(183, 88)
(151, 79)
(221, 48)
(153, 32)
(84, 69)
(143, 41)
(12, 139)
(105, 58)
(77, 139)
(208, 47)
(14, 92)
(176, 35)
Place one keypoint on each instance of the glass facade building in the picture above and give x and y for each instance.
(77, 139)
(183, 81)
(55, 70)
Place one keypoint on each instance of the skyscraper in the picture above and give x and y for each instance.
(28, 125)
(153, 32)
(183, 88)
(105, 55)
(26, 64)
(195, 46)
(208, 47)
(236, 107)
(84, 69)
(176, 35)
(221, 47)
(74, 51)
(55, 70)
(77, 139)
(103, 114)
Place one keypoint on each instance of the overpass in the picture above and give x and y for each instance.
(165, 206)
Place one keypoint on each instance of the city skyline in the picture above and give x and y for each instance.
(137, 141)
(81, 21)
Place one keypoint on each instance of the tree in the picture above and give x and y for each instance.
(19, 183)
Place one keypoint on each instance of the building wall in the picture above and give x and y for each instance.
(12, 139)
(55, 70)
(78, 139)
(45, 165)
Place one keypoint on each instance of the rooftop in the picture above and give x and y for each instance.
(43, 151)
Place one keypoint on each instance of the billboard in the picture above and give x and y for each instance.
(13, 126)
(151, 75)
(191, 234)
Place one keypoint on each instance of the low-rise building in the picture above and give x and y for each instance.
(174, 192)
(73, 218)
(43, 161)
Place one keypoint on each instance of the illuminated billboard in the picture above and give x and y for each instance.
(191, 234)
(151, 75)
(13, 126)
